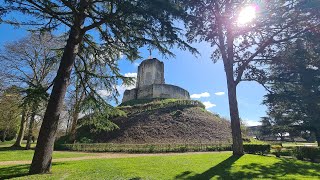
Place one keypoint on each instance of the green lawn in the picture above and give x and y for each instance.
(293, 144)
(188, 166)
(9, 154)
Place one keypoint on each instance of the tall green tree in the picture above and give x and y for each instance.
(88, 77)
(245, 34)
(123, 26)
(294, 82)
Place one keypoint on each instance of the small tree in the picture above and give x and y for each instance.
(9, 111)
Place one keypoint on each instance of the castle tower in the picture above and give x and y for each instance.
(151, 84)
(150, 71)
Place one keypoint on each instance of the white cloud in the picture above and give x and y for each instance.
(136, 64)
(251, 122)
(121, 88)
(104, 93)
(312, 67)
(219, 93)
(131, 75)
(121, 55)
(197, 96)
(208, 104)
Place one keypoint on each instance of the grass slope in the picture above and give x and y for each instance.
(168, 125)
(194, 166)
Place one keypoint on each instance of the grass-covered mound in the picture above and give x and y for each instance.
(164, 121)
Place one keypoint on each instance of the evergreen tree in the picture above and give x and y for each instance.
(123, 26)
(294, 85)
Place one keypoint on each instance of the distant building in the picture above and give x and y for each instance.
(151, 83)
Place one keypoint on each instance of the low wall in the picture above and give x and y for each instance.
(156, 91)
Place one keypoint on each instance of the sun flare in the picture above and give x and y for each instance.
(247, 15)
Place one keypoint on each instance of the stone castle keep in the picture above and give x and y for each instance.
(151, 84)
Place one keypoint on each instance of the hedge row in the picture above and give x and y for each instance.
(300, 152)
(143, 148)
(305, 152)
(257, 148)
(160, 148)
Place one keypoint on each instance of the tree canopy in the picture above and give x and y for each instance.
(243, 47)
(293, 84)
(121, 27)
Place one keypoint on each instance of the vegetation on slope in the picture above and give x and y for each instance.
(160, 121)
(167, 125)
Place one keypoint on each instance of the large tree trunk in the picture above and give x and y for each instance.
(23, 125)
(317, 133)
(234, 113)
(31, 124)
(41, 162)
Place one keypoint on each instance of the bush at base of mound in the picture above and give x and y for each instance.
(143, 148)
(257, 148)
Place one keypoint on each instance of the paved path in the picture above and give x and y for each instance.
(103, 156)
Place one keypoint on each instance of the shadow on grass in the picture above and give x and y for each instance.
(13, 148)
(7, 172)
(255, 170)
(14, 171)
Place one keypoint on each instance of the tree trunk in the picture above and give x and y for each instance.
(317, 133)
(73, 131)
(4, 135)
(31, 123)
(234, 113)
(23, 125)
(41, 162)
(75, 116)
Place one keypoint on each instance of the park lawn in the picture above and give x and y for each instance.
(186, 166)
(24, 155)
(293, 144)
(9, 154)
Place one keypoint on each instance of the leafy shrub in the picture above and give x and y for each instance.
(143, 148)
(85, 140)
(304, 152)
(257, 148)
(277, 150)
(286, 152)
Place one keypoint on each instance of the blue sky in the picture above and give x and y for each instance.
(199, 75)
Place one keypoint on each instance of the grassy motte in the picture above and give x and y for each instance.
(188, 166)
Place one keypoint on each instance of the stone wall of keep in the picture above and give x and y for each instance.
(150, 72)
(145, 92)
(169, 91)
(156, 91)
(129, 95)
